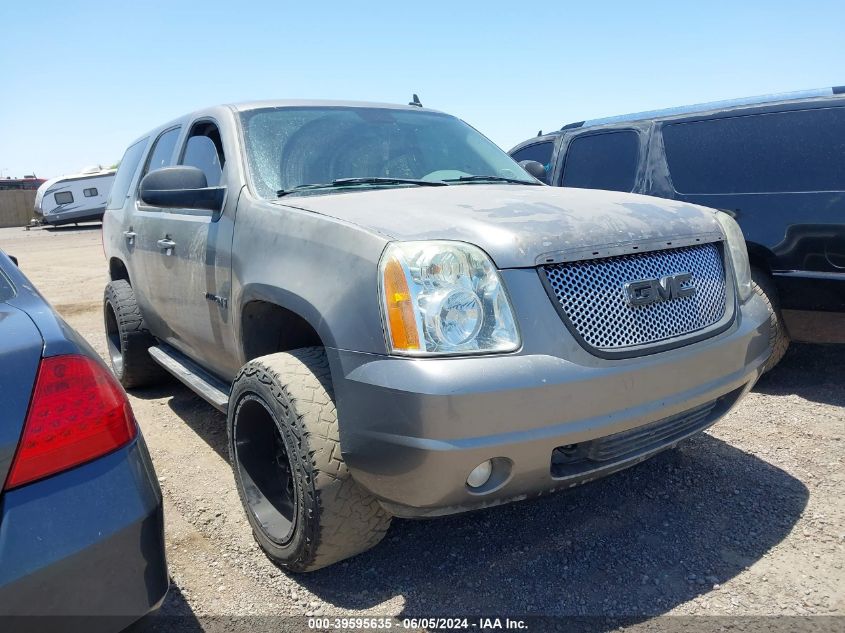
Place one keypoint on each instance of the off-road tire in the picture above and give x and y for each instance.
(335, 517)
(762, 284)
(128, 339)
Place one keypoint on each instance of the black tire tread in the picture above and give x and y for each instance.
(351, 520)
(762, 285)
(139, 369)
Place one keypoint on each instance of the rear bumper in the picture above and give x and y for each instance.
(412, 430)
(88, 543)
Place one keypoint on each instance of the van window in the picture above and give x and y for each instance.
(125, 172)
(91, 192)
(540, 152)
(64, 197)
(602, 161)
(162, 153)
(204, 150)
(799, 150)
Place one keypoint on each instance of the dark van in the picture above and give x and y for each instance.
(775, 163)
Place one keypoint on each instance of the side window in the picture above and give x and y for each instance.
(204, 150)
(125, 172)
(64, 197)
(162, 152)
(540, 152)
(602, 161)
(91, 192)
(793, 151)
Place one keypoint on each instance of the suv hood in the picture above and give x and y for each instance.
(522, 226)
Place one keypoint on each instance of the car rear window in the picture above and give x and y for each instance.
(7, 290)
(602, 161)
(793, 151)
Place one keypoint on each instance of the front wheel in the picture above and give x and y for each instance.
(305, 510)
(762, 285)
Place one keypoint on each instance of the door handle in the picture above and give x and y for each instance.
(130, 237)
(166, 245)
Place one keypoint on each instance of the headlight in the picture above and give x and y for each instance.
(444, 298)
(739, 253)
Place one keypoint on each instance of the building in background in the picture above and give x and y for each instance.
(30, 182)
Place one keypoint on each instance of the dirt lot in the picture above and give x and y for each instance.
(747, 519)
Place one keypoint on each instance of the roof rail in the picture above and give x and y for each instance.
(712, 105)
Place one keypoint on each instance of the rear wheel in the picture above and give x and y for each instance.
(762, 284)
(305, 510)
(128, 339)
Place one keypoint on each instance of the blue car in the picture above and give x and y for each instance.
(81, 522)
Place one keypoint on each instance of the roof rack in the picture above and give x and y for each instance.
(712, 105)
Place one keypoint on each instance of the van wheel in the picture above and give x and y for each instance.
(128, 339)
(762, 284)
(305, 510)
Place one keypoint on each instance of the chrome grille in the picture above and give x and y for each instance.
(592, 296)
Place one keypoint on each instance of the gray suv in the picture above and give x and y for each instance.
(398, 320)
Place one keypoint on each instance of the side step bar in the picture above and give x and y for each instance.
(209, 388)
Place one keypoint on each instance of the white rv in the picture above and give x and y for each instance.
(76, 198)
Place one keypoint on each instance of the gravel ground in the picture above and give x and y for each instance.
(747, 519)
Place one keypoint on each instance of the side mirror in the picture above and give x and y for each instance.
(14, 260)
(535, 169)
(181, 187)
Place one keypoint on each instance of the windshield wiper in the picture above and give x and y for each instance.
(342, 182)
(351, 182)
(515, 181)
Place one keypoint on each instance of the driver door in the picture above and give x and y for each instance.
(193, 264)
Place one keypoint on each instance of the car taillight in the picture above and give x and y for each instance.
(78, 413)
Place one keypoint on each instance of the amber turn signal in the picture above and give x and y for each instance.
(401, 324)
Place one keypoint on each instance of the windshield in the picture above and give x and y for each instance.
(293, 147)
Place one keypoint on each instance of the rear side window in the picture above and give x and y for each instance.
(602, 161)
(540, 152)
(162, 152)
(802, 150)
(123, 178)
(64, 197)
(91, 192)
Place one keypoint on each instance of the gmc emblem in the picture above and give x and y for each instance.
(646, 291)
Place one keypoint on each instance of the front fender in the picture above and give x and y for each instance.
(322, 269)
(284, 298)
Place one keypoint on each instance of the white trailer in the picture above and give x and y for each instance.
(76, 198)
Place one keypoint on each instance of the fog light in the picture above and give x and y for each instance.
(480, 474)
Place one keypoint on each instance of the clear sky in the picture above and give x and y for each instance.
(80, 80)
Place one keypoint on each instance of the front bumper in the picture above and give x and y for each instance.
(413, 429)
(86, 545)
